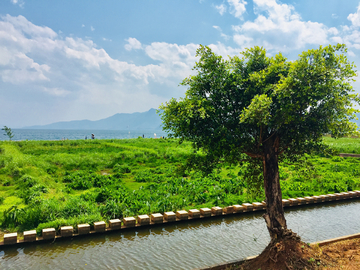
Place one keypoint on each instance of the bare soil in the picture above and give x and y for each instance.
(292, 254)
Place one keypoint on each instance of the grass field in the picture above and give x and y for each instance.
(55, 183)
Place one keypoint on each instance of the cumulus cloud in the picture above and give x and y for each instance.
(221, 9)
(350, 35)
(355, 17)
(133, 43)
(278, 26)
(73, 73)
(237, 7)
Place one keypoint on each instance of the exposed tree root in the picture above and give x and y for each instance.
(286, 252)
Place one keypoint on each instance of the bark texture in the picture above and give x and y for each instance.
(274, 217)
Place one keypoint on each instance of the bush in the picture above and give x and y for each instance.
(124, 168)
(12, 217)
(79, 180)
(57, 224)
(148, 176)
(27, 181)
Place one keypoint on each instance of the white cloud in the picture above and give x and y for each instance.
(237, 7)
(351, 53)
(56, 91)
(333, 31)
(133, 43)
(337, 40)
(21, 3)
(243, 41)
(278, 27)
(176, 61)
(73, 73)
(92, 28)
(350, 35)
(355, 17)
(221, 49)
(226, 37)
(221, 9)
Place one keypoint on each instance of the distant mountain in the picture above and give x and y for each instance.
(120, 121)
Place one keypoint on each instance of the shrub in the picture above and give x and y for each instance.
(12, 217)
(124, 168)
(112, 209)
(79, 180)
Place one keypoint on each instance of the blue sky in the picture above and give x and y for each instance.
(73, 60)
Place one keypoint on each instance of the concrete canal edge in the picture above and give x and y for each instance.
(237, 262)
(156, 219)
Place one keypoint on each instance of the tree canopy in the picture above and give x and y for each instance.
(262, 107)
(233, 106)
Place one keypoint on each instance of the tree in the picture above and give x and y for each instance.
(261, 109)
(8, 132)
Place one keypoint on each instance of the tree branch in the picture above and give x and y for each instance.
(254, 155)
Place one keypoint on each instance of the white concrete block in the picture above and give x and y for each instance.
(66, 231)
(285, 202)
(205, 212)
(29, 236)
(293, 202)
(48, 233)
(216, 210)
(228, 209)
(194, 213)
(248, 206)
(129, 221)
(115, 224)
(182, 214)
(238, 208)
(10, 238)
(157, 218)
(170, 216)
(257, 206)
(83, 228)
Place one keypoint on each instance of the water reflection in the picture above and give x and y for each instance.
(184, 245)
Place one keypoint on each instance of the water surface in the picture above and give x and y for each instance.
(184, 245)
(61, 134)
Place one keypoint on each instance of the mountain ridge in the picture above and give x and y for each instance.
(120, 121)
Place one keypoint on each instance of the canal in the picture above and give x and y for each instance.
(185, 245)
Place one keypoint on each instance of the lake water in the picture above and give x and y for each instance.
(60, 134)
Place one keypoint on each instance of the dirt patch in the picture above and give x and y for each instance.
(291, 255)
(343, 254)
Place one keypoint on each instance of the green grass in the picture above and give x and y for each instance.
(344, 145)
(54, 182)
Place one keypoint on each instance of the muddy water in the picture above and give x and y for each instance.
(186, 245)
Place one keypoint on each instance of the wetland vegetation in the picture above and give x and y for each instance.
(55, 183)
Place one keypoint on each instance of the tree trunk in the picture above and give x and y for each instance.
(274, 217)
